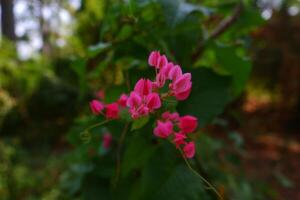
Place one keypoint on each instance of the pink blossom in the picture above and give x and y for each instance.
(163, 129)
(166, 70)
(162, 61)
(182, 83)
(96, 107)
(143, 87)
(107, 139)
(179, 139)
(112, 111)
(134, 100)
(170, 116)
(188, 123)
(183, 95)
(160, 80)
(153, 58)
(189, 149)
(135, 104)
(142, 105)
(175, 72)
(182, 86)
(153, 101)
(122, 100)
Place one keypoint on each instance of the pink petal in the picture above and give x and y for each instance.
(134, 100)
(179, 139)
(162, 61)
(160, 80)
(96, 107)
(112, 111)
(153, 58)
(189, 150)
(170, 116)
(182, 83)
(175, 72)
(188, 123)
(163, 129)
(183, 95)
(143, 87)
(166, 69)
(153, 101)
(122, 100)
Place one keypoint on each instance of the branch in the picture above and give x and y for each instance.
(221, 28)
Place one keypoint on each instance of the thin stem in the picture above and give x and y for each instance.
(96, 125)
(201, 177)
(121, 141)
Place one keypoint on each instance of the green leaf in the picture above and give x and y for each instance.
(182, 184)
(139, 123)
(237, 66)
(79, 66)
(125, 32)
(98, 48)
(177, 10)
(210, 94)
(137, 153)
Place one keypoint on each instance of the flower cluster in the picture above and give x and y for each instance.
(111, 111)
(184, 125)
(147, 97)
(180, 85)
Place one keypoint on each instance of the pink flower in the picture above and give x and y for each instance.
(188, 123)
(153, 101)
(163, 129)
(170, 116)
(153, 58)
(175, 72)
(122, 100)
(112, 111)
(142, 105)
(160, 80)
(183, 95)
(134, 100)
(182, 86)
(166, 69)
(96, 107)
(107, 138)
(162, 61)
(179, 139)
(143, 87)
(189, 149)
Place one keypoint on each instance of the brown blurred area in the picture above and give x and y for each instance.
(271, 105)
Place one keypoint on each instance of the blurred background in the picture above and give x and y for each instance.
(56, 55)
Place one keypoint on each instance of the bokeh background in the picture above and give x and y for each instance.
(56, 55)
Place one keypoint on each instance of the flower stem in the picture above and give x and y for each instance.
(210, 186)
(96, 125)
(121, 141)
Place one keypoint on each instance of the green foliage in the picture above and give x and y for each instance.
(210, 94)
(110, 48)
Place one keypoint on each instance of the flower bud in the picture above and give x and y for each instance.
(112, 111)
(189, 149)
(163, 129)
(188, 124)
(96, 107)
